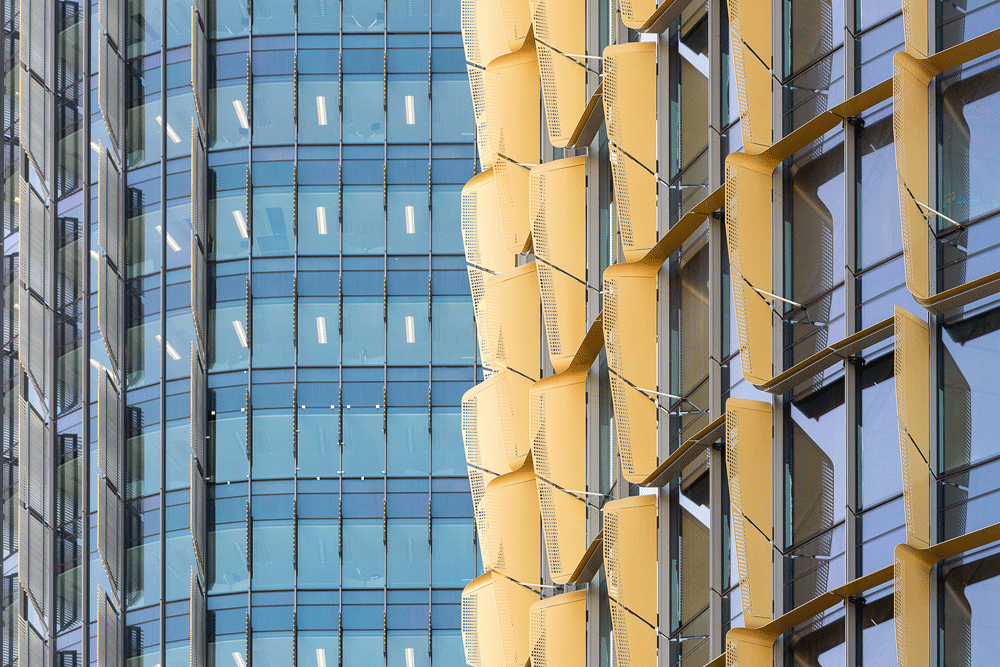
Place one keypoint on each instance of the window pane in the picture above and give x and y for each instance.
(228, 225)
(447, 204)
(408, 331)
(319, 220)
(318, 543)
(272, 333)
(273, 230)
(364, 561)
(364, 332)
(272, 555)
(272, 444)
(318, 16)
(227, 333)
(271, 17)
(407, 442)
(448, 453)
(228, 123)
(273, 113)
(409, 555)
(452, 322)
(319, 109)
(452, 110)
(319, 331)
(408, 220)
(408, 16)
(364, 220)
(363, 112)
(364, 442)
(227, 554)
(319, 453)
(363, 16)
(229, 436)
(228, 18)
(454, 555)
(407, 107)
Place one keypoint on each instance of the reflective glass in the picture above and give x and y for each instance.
(363, 16)
(364, 559)
(229, 123)
(452, 321)
(272, 555)
(229, 453)
(228, 18)
(447, 220)
(407, 439)
(407, 108)
(318, 331)
(408, 343)
(319, 112)
(318, 220)
(273, 115)
(364, 220)
(968, 608)
(408, 554)
(364, 331)
(408, 223)
(451, 118)
(272, 444)
(272, 17)
(364, 442)
(273, 222)
(318, 16)
(317, 441)
(454, 562)
(363, 113)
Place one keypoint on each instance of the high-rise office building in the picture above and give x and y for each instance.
(237, 332)
(735, 267)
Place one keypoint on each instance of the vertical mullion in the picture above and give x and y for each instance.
(249, 328)
(163, 327)
(85, 344)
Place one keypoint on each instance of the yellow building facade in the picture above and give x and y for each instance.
(736, 278)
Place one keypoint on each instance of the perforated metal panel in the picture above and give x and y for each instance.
(512, 111)
(111, 92)
(559, 630)
(108, 632)
(34, 262)
(477, 86)
(199, 624)
(34, 467)
(110, 515)
(34, 322)
(495, 621)
(512, 525)
(199, 296)
(110, 211)
(560, 29)
(37, 24)
(31, 648)
(630, 554)
(109, 431)
(199, 412)
(199, 511)
(34, 560)
(36, 116)
(110, 16)
(912, 371)
(110, 308)
(199, 188)
(199, 70)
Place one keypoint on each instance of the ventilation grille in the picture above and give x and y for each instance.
(109, 431)
(34, 569)
(110, 518)
(110, 211)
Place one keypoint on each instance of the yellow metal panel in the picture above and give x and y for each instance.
(478, 480)
(636, 12)
(630, 341)
(559, 630)
(512, 195)
(915, 23)
(513, 115)
(630, 114)
(558, 213)
(630, 554)
(912, 408)
(482, 230)
(516, 22)
(477, 86)
(560, 29)
(634, 639)
(748, 234)
(512, 320)
(477, 285)
(748, 462)
(753, 92)
(911, 605)
(910, 79)
(483, 31)
(512, 401)
(481, 429)
(495, 621)
(558, 429)
(751, 20)
(747, 648)
(513, 526)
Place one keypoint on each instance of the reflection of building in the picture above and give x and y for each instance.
(236, 333)
(734, 271)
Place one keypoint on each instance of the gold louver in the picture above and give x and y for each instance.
(912, 372)
(915, 24)
(748, 234)
(630, 112)
(516, 16)
(483, 31)
(512, 321)
(630, 340)
(748, 462)
(558, 428)
(630, 559)
(911, 604)
(749, 648)
(482, 230)
(750, 24)
(560, 37)
(559, 630)
(558, 213)
(512, 526)
(495, 618)
(512, 111)
(481, 431)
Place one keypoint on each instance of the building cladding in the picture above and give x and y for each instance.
(237, 333)
(736, 274)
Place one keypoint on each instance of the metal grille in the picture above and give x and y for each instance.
(35, 121)
(618, 387)
(899, 609)
(108, 632)
(109, 431)
(742, 97)
(110, 15)
(505, 614)
(199, 636)
(31, 648)
(110, 306)
(199, 188)
(111, 95)
(470, 430)
(199, 426)
(199, 296)
(478, 88)
(470, 230)
(34, 464)
(612, 563)
(34, 261)
(37, 25)
(110, 210)
(539, 643)
(470, 31)
(110, 515)
(34, 561)
(199, 71)
(508, 200)
(902, 414)
(619, 624)
(732, 186)
(199, 510)
(470, 629)
(905, 208)
(34, 320)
